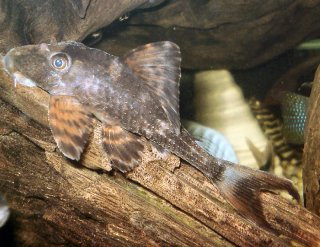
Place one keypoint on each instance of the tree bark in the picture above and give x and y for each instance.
(311, 156)
(54, 201)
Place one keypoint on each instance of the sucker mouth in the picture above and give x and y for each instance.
(17, 76)
(5, 64)
(23, 80)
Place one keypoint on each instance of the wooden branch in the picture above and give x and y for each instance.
(311, 155)
(56, 201)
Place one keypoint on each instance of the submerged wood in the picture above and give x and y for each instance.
(58, 202)
(36, 21)
(211, 34)
(311, 155)
(219, 33)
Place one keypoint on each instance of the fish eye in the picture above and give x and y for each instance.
(59, 61)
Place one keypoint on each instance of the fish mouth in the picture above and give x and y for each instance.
(22, 79)
(18, 77)
(7, 62)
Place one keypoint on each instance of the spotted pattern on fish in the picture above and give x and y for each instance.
(294, 113)
(137, 93)
(154, 66)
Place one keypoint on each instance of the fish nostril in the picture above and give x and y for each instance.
(44, 47)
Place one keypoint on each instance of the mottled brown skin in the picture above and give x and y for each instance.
(135, 96)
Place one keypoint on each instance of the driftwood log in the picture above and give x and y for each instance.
(220, 33)
(55, 201)
(35, 21)
(311, 156)
(211, 33)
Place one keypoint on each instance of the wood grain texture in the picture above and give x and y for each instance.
(311, 155)
(220, 33)
(58, 202)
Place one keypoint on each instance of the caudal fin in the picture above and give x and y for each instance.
(242, 186)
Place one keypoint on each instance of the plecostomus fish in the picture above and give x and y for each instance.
(135, 96)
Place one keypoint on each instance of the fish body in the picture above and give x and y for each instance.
(135, 96)
(294, 112)
(290, 158)
(273, 129)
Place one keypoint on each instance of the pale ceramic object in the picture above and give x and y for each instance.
(219, 104)
(4, 211)
(211, 140)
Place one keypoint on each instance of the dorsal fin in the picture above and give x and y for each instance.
(158, 64)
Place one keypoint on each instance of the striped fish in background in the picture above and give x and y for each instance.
(287, 160)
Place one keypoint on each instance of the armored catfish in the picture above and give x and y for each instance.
(135, 96)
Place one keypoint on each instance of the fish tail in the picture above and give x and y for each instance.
(242, 187)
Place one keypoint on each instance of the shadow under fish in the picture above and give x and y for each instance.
(136, 97)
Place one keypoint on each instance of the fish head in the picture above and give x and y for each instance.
(58, 68)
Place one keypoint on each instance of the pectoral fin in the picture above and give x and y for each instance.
(70, 124)
(123, 147)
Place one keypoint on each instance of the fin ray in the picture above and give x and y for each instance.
(242, 187)
(70, 125)
(123, 147)
(158, 64)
